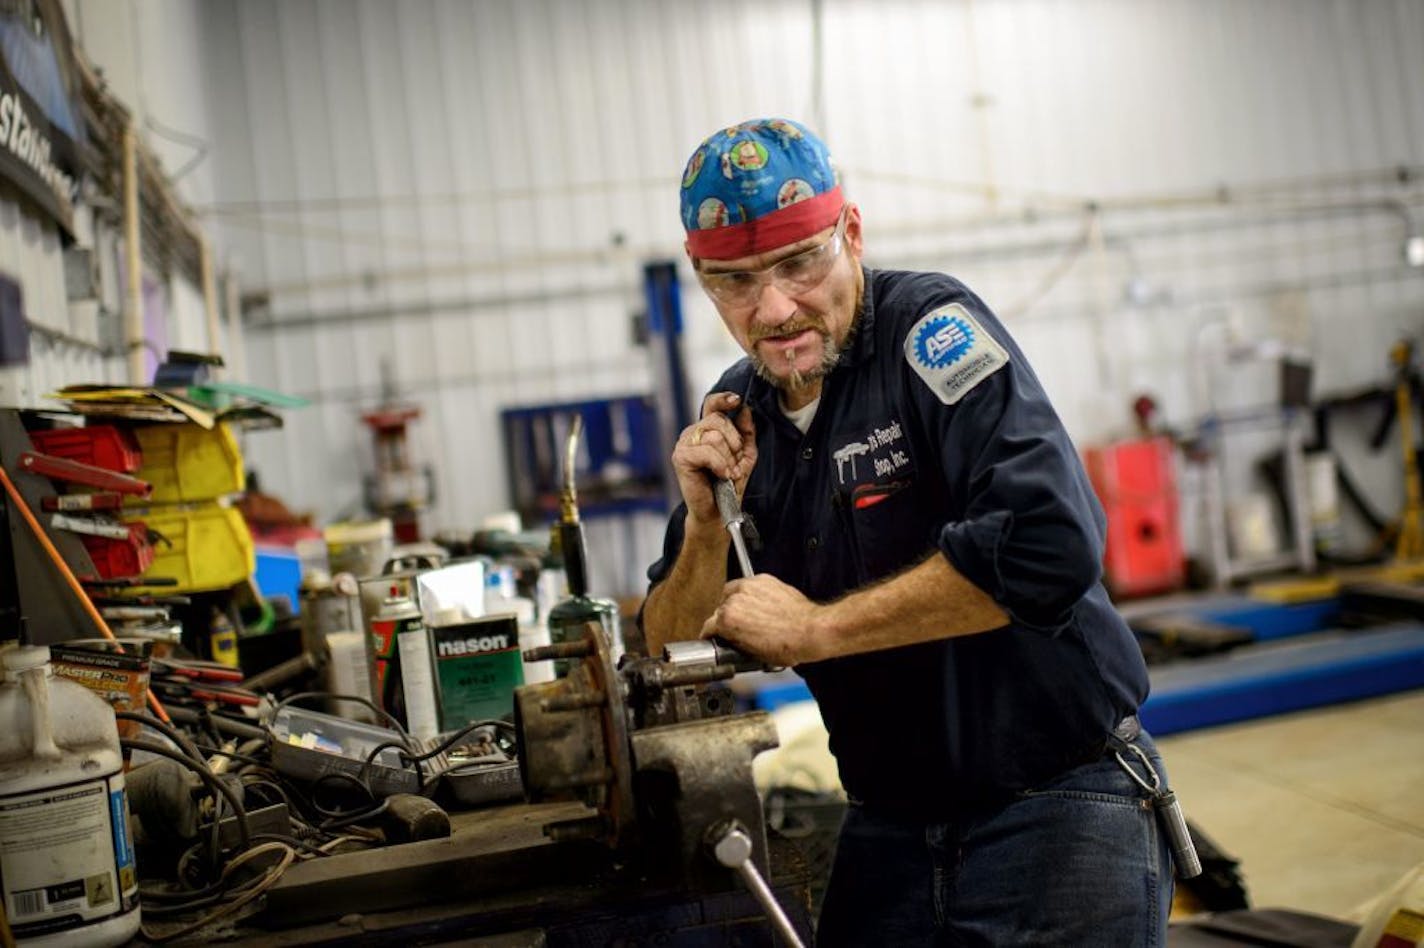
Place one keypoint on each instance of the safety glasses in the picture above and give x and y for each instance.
(794, 275)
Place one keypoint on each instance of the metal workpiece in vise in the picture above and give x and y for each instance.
(675, 687)
(658, 769)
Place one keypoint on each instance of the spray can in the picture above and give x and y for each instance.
(414, 672)
(222, 639)
(66, 858)
(332, 623)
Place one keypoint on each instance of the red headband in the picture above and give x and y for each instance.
(781, 227)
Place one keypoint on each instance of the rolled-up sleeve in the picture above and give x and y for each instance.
(1031, 531)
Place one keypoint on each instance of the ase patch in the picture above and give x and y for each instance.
(952, 353)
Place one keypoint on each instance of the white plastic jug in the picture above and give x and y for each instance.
(66, 858)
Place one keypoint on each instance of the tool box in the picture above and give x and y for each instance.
(127, 557)
(187, 463)
(203, 547)
(100, 445)
(307, 745)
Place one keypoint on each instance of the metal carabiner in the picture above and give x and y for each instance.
(1169, 814)
(1154, 788)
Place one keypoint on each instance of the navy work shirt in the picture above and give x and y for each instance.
(934, 435)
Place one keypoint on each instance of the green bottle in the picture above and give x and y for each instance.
(567, 618)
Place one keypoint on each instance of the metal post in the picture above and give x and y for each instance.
(664, 299)
(133, 260)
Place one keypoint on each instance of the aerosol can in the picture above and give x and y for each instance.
(567, 619)
(414, 674)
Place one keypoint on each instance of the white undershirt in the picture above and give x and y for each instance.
(801, 417)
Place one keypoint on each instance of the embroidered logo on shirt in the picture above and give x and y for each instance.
(952, 353)
(882, 444)
(849, 453)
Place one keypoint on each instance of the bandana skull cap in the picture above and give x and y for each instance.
(757, 186)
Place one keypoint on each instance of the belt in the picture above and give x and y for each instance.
(1127, 729)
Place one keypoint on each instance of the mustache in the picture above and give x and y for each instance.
(789, 328)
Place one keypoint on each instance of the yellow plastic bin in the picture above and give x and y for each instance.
(208, 546)
(185, 462)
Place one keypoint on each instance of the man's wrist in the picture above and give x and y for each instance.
(822, 634)
(705, 533)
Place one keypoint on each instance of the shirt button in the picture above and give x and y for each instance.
(806, 454)
(812, 544)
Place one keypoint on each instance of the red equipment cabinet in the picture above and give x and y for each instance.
(1136, 483)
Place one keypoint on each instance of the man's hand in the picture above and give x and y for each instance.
(767, 619)
(717, 445)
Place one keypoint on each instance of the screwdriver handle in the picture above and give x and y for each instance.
(731, 510)
(727, 504)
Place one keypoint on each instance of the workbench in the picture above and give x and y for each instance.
(498, 881)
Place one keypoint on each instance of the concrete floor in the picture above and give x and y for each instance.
(1323, 808)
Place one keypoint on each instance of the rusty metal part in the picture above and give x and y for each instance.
(674, 688)
(597, 732)
(660, 693)
(694, 775)
(303, 664)
(573, 732)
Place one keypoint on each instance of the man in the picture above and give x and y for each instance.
(929, 562)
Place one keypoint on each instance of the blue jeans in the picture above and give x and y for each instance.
(1078, 861)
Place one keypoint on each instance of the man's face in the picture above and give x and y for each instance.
(792, 334)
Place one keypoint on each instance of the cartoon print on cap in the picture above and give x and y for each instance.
(694, 167)
(748, 156)
(711, 213)
(786, 130)
(767, 166)
(793, 190)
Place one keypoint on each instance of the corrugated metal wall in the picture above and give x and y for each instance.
(30, 254)
(465, 191)
(149, 54)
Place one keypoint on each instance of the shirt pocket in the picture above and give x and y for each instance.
(889, 528)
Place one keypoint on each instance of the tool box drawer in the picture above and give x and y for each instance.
(185, 462)
(204, 547)
(113, 558)
(113, 449)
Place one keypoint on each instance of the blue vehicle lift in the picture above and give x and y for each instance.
(1298, 658)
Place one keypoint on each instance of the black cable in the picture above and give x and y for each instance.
(244, 829)
(167, 730)
(436, 751)
(297, 814)
(455, 738)
(357, 817)
(339, 775)
(405, 757)
(197, 885)
(333, 819)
